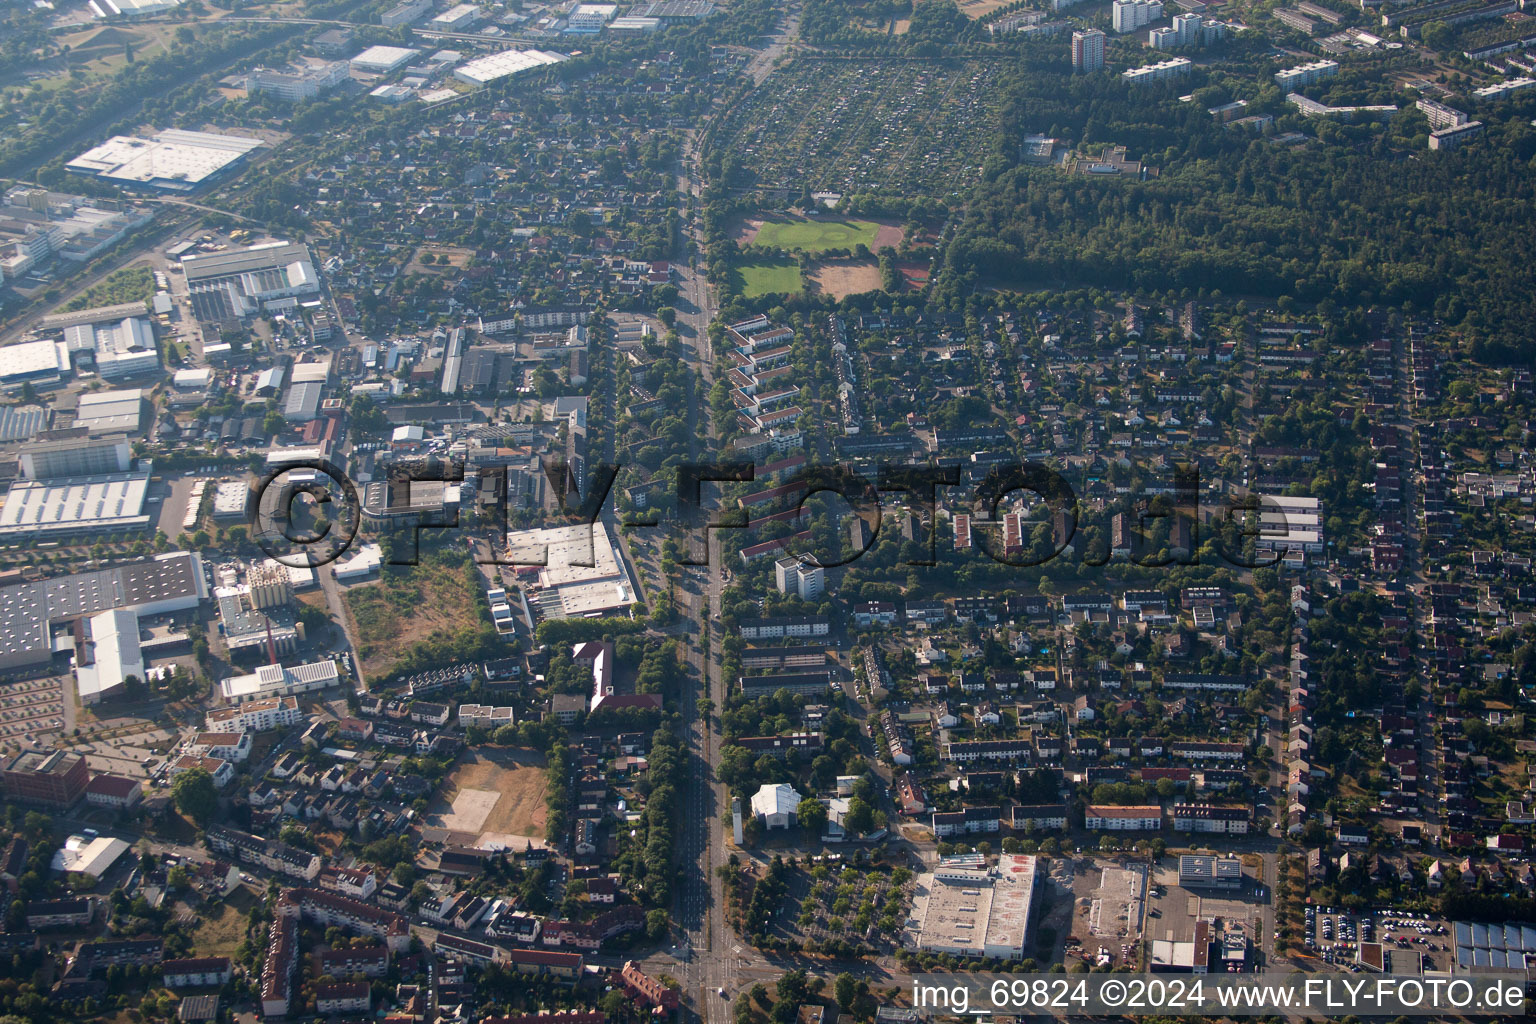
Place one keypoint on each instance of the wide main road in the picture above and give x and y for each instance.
(710, 957)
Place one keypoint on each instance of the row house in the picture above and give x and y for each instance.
(1038, 817)
(871, 614)
(357, 883)
(976, 608)
(1111, 818)
(781, 746)
(1227, 820)
(975, 820)
(1205, 682)
(267, 853)
(928, 613)
(347, 962)
(196, 972)
(1208, 750)
(898, 738)
(282, 959)
(989, 750)
(329, 909)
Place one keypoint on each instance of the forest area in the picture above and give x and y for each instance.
(1357, 216)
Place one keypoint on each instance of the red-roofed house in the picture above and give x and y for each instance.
(114, 792)
(646, 988)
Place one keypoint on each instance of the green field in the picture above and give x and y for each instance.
(817, 235)
(770, 277)
(409, 605)
(131, 284)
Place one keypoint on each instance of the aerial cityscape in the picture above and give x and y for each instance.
(726, 511)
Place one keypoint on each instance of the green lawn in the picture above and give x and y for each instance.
(817, 235)
(773, 277)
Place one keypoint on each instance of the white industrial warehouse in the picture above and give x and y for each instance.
(381, 60)
(172, 161)
(488, 69)
(90, 504)
(977, 912)
(580, 573)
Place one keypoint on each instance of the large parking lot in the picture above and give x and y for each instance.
(1333, 935)
(31, 708)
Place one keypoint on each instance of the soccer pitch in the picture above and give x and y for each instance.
(770, 278)
(817, 235)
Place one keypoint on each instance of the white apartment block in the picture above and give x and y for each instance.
(1157, 72)
(1450, 138)
(1130, 15)
(1501, 89)
(1306, 74)
(231, 746)
(1440, 115)
(1290, 527)
(1104, 818)
(1187, 30)
(483, 715)
(793, 576)
(256, 716)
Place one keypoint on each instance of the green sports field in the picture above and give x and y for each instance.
(817, 235)
(770, 277)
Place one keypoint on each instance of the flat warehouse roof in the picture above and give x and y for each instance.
(21, 423)
(567, 546)
(109, 411)
(385, 58)
(244, 261)
(32, 358)
(76, 505)
(507, 62)
(91, 857)
(27, 609)
(171, 157)
(580, 589)
(978, 913)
